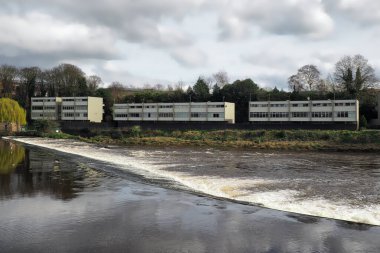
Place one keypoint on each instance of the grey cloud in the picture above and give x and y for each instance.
(134, 21)
(298, 17)
(189, 57)
(363, 12)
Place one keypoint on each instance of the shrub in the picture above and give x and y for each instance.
(136, 131)
(45, 126)
(363, 122)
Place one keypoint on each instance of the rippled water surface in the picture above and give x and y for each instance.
(113, 199)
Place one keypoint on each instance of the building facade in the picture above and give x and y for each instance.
(45, 108)
(67, 108)
(312, 111)
(196, 111)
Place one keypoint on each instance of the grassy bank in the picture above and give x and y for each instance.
(325, 140)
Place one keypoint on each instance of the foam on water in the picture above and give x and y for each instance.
(232, 188)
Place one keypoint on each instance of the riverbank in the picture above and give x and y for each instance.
(314, 140)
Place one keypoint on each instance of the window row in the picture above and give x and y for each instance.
(44, 100)
(36, 107)
(72, 99)
(304, 105)
(71, 114)
(77, 107)
(170, 115)
(301, 114)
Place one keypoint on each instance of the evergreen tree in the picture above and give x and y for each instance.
(201, 91)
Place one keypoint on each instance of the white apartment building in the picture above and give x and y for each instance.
(195, 111)
(321, 111)
(82, 109)
(45, 108)
(67, 108)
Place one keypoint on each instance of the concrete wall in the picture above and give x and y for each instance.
(95, 109)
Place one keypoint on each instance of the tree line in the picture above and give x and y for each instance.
(353, 77)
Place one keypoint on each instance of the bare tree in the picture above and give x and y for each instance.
(93, 83)
(221, 78)
(309, 75)
(118, 91)
(8, 75)
(180, 85)
(354, 74)
(295, 84)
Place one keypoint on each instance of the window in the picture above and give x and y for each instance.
(300, 114)
(121, 115)
(166, 106)
(278, 105)
(258, 115)
(165, 115)
(134, 115)
(49, 107)
(305, 105)
(85, 115)
(295, 105)
(198, 115)
(215, 115)
(279, 114)
(338, 104)
(321, 114)
(254, 105)
(37, 107)
(342, 115)
(67, 108)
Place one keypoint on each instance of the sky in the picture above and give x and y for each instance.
(139, 42)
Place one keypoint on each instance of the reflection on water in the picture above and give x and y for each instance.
(10, 156)
(28, 172)
(53, 203)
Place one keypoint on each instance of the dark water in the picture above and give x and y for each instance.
(57, 203)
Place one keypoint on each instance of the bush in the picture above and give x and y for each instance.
(363, 122)
(45, 126)
(136, 131)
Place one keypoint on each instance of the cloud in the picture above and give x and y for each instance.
(365, 12)
(285, 17)
(40, 34)
(190, 57)
(134, 21)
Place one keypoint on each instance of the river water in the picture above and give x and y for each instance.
(111, 199)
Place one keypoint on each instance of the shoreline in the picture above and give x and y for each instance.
(288, 140)
(246, 145)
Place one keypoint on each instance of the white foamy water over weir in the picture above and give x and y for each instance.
(332, 185)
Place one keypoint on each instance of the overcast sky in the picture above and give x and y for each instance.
(166, 41)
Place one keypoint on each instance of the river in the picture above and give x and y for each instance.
(79, 197)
